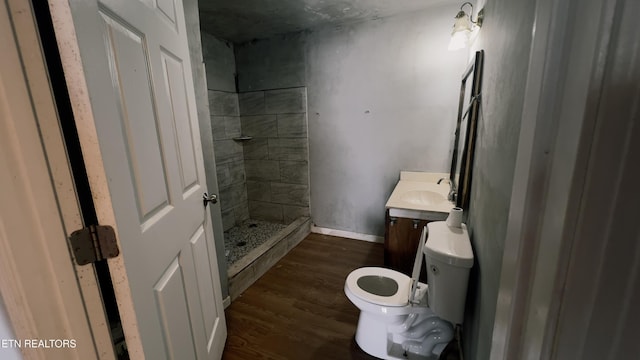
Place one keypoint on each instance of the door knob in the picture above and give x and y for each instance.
(209, 198)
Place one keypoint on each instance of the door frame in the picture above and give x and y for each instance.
(47, 296)
(565, 67)
(64, 27)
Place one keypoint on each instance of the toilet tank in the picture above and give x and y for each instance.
(449, 259)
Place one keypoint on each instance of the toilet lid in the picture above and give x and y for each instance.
(380, 286)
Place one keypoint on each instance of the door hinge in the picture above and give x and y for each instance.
(94, 243)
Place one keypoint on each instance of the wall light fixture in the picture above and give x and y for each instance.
(464, 26)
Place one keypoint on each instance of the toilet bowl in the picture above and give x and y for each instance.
(391, 325)
(396, 321)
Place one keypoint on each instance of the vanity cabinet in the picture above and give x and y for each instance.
(416, 200)
(401, 238)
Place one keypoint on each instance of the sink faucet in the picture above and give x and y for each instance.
(452, 191)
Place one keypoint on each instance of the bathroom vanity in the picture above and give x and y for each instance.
(416, 200)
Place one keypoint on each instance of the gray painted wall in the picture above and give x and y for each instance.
(274, 63)
(506, 39)
(382, 97)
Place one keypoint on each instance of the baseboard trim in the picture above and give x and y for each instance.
(226, 302)
(347, 234)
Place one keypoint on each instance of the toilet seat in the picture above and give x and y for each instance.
(395, 321)
(399, 298)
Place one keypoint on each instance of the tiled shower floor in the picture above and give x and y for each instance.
(241, 239)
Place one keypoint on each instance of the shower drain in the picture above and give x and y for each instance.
(241, 243)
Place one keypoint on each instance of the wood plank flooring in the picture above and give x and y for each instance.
(298, 309)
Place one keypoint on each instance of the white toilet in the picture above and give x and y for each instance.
(401, 318)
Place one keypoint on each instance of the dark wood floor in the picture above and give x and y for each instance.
(298, 309)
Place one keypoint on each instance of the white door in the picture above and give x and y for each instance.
(146, 169)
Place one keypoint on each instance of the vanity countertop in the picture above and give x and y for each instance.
(419, 196)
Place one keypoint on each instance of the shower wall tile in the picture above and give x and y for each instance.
(288, 149)
(260, 125)
(228, 219)
(232, 196)
(227, 151)
(294, 172)
(241, 212)
(232, 126)
(290, 194)
(286, 101)
(223, 103)
(217, 128)
(224, 197)
(256, 149)
(259, 190)
(239, 193)
(251, 103)
(232, 193)
(276, 169)
(225, 127)
(236, 171)
(224, 175)
(267, 211)
(290, 212)
(262, 170)
(292, 125)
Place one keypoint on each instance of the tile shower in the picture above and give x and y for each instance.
(261, 153)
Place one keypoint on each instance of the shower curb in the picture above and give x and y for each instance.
(255, 264)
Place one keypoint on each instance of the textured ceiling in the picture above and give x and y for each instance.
(244, 20)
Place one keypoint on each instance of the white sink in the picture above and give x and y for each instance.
(423, 197)
(419, 196)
